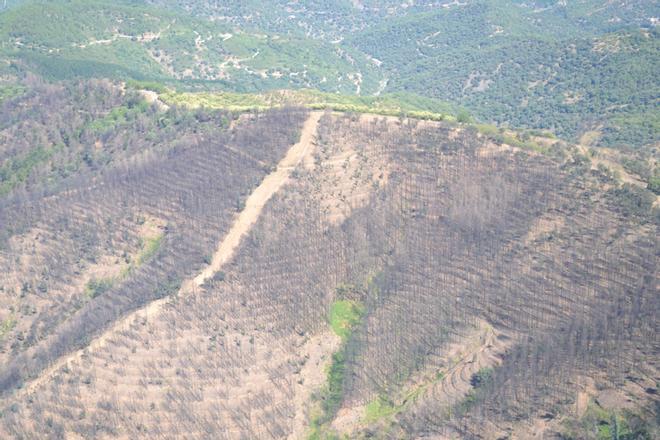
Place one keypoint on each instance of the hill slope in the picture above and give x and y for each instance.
(322, 220)
(405, 278)
(126, 39)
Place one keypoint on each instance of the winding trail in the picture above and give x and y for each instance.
(457, 381)
(225, 251)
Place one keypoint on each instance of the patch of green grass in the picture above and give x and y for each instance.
(6, 326)
(96, 287)
(149, 249)
(344, 315)
(380, 408)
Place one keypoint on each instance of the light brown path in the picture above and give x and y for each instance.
(255, 203)
(225, 251)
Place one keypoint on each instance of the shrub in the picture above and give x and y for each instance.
(344, 315)
(464, 117)
(96, 287)
(481, 377)
(654, 184)
(633, 200)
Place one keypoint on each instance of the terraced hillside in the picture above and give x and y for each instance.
(296, 274)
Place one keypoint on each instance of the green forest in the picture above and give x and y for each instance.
(585, 70)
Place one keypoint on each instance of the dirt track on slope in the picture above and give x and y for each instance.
(225, 251)
(259, 197)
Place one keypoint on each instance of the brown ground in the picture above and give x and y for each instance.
(479, 349)
(245, 220)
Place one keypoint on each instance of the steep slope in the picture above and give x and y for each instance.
(485, 283)
(241, 225)
(79, 254)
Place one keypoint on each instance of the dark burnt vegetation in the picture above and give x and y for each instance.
(517, 239)
(185, 169)
(461, 234)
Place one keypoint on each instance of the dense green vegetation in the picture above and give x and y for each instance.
(131, 40)
(633, 201)
(600, 424)
(118, 116)
(547, 73)
(398, 104)
(579, 68)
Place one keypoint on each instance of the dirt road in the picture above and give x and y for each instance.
(259, 197)
(225, 251)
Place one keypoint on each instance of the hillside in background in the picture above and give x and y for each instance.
(585, 70)
(329, 220)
